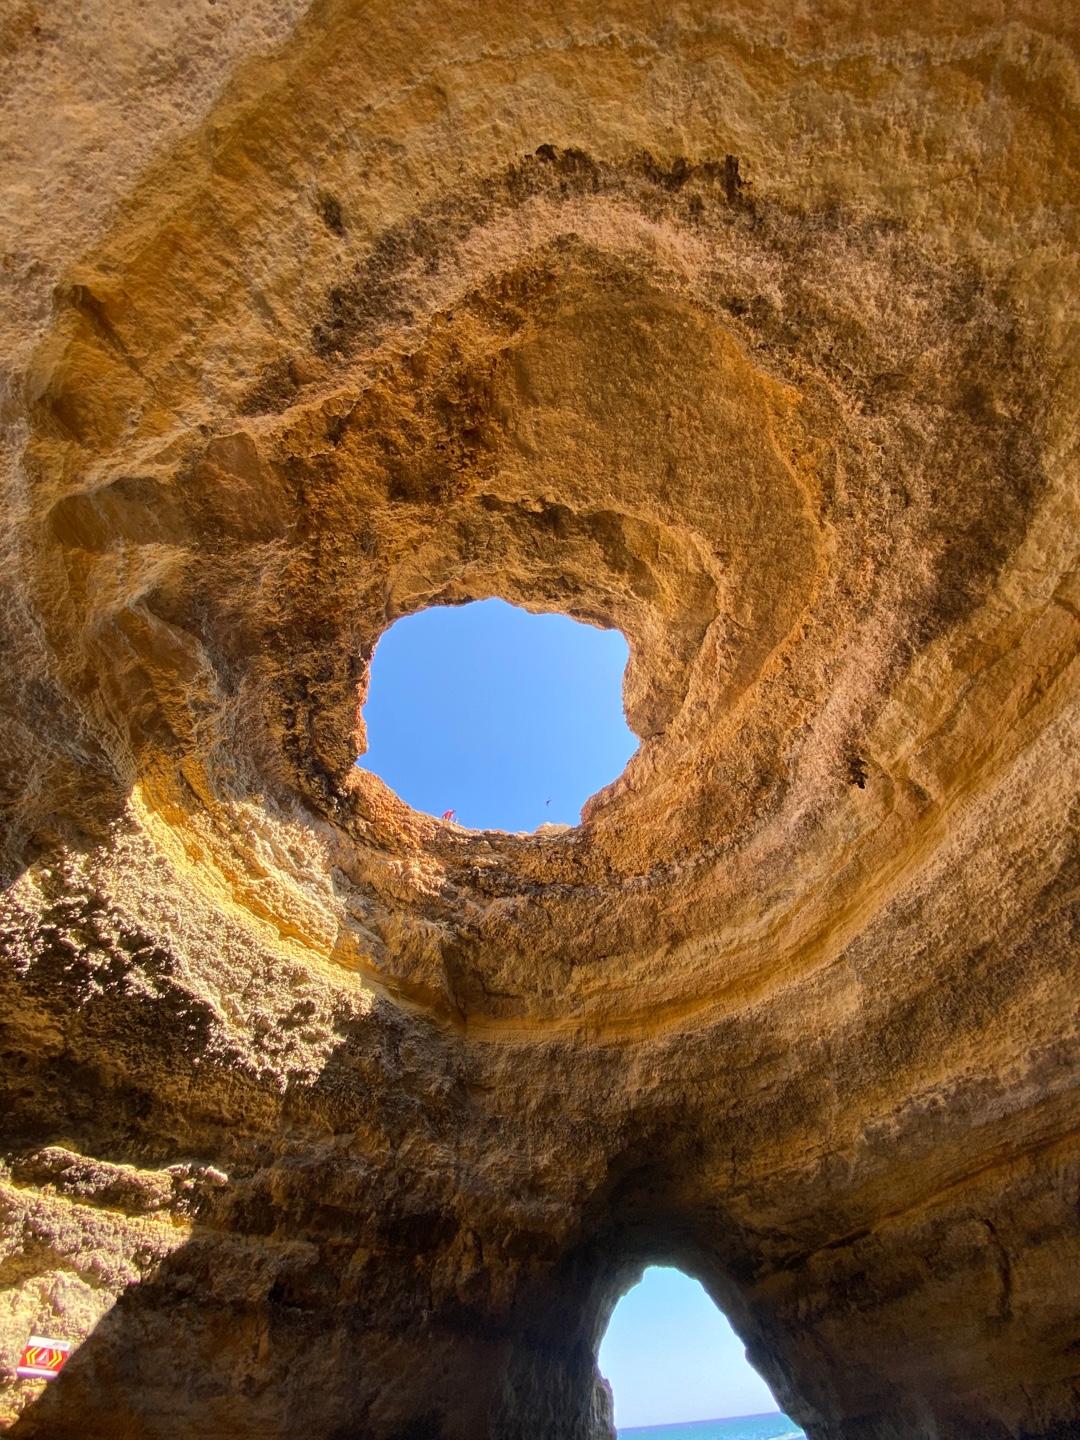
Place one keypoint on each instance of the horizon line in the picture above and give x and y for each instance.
(704, 1420)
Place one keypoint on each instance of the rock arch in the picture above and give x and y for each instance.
(745, 338)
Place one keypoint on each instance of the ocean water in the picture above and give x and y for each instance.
(742, 1427)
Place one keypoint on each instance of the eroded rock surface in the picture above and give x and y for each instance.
(751, 331)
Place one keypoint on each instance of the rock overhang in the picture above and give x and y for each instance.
(626, 390)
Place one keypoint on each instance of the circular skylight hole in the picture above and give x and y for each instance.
(496, 719)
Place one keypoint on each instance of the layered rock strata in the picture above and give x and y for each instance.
(750, 331)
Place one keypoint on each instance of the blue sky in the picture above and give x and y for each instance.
(510, 719)
(513, 720)
(670, 1355)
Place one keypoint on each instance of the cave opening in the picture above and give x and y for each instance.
(678, 1371)
(492, 717)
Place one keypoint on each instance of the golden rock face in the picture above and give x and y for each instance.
(751, 332)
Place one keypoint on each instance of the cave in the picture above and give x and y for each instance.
(749, 333)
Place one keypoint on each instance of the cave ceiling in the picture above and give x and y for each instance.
(749, 332)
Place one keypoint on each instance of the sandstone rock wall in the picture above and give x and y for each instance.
(751, 331)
